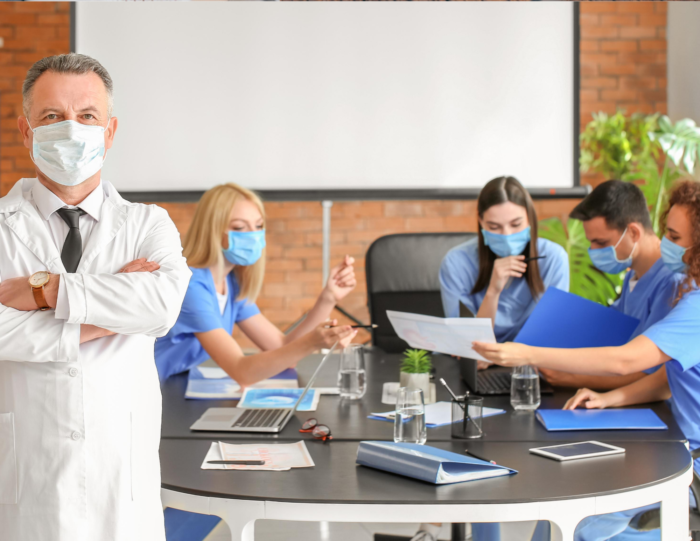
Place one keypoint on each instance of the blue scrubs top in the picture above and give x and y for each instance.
(678, 337)
(651, 299)
(180, 350)
(458, 273)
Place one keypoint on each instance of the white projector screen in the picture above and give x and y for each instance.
(330, 96)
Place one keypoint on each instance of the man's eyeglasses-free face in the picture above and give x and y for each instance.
(320, 432)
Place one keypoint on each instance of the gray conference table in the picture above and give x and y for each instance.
(656, 466)
(348, 420)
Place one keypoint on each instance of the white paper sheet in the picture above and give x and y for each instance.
(278, 457)
(440, 414)
(452, 336)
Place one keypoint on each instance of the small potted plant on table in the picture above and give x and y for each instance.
(415, 371)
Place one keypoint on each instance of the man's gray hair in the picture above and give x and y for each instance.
(73, 63)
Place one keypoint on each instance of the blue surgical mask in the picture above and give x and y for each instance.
(68, 152)
(506, 245)
(672, 255)
(244, 247)
(605, 259)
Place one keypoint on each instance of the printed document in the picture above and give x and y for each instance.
(452, 336)
(277, 457)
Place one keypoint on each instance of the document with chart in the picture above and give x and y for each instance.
(452, 336)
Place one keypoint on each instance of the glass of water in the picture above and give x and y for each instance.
(351, 376)
(409, 422)
(525, 388)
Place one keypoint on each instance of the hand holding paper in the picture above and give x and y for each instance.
(453, 336)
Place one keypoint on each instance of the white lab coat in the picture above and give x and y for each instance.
(80, 424)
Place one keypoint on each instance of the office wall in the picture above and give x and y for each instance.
(623, 63)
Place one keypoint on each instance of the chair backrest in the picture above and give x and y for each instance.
(402, 274)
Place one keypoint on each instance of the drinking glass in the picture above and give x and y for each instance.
(467, 417)
(351, 376)
(409, 422)
(525, 388)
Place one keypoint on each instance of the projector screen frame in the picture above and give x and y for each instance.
(576, 192)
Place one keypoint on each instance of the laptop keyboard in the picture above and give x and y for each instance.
(255, 418)
(497, 382)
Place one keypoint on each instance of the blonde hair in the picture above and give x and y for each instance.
(202, 247)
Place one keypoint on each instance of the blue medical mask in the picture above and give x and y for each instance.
(672, 255)
(605, 259)
(68, 152)
(244, 247)
(506, 245)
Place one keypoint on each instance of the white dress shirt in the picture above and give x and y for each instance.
(47, 203)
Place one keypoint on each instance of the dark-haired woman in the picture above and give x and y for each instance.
(673, 342)
(489, 275)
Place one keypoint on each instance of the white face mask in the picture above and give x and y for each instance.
(68, 152)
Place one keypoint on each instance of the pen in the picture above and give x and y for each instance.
(474, 455)
(533, 258)
(454, 396)
(238, 462)
(372, 326)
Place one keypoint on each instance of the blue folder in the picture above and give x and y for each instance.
(426, 463)
(612, 419)
(565, 320)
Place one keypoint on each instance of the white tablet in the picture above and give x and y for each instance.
(574, 451)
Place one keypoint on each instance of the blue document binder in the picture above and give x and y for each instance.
(613, 419)
(565, 320)
(426, 463)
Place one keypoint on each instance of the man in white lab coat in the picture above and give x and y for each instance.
(87, 282)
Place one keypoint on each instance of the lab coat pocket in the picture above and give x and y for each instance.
(8, 461)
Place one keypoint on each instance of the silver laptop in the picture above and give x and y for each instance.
(265, 420)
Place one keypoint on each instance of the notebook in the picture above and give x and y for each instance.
(565, 320)
(212, 383)
(438, 414)
(612, 419)
(426, 463)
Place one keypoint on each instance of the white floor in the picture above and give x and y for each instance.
(277, 530)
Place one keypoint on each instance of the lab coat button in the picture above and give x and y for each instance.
(73, 372)
(76, 435)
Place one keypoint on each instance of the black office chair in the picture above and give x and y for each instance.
(651, 520)
(402, 275)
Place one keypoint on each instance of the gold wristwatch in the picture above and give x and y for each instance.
(37, 281)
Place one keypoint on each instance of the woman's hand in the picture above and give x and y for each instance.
(327, 334)
(341, 280)
(587, 399)
(505, 268)
(508, 354)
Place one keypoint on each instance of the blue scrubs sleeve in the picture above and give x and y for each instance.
(556, 269)
(200, 311)
(677, 334)
(246, 309)
(454, 286)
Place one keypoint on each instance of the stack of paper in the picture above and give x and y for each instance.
(279, 398)
(277, 457)
(438, 414)
(212, 383)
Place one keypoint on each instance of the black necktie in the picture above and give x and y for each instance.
(73, 246)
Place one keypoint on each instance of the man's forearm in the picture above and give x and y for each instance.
(90, 332)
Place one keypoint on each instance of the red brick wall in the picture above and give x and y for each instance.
(623, 63)
(30, 31)
(623, 59)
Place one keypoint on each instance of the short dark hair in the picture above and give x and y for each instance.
(618, 203)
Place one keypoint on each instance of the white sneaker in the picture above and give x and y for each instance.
(423, 536)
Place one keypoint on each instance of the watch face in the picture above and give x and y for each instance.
(39, 279)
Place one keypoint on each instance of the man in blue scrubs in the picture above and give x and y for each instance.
(617, 224)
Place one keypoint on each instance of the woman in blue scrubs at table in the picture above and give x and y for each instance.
(225, 249)
(673, 343)
(489, 275)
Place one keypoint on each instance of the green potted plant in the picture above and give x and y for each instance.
(415, 371)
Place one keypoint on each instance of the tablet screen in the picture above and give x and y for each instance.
(576, 449)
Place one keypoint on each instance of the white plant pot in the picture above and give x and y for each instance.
(417, 381)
